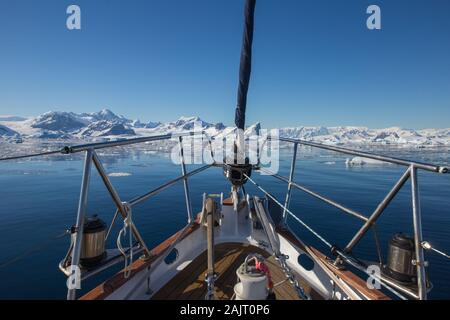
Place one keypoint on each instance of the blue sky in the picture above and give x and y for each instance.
(315, 62)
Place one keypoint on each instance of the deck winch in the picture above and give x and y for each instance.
(237, 173)
(254, 280)
(93, 243)
(401, 254)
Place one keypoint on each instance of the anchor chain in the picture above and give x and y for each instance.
(210, 280)
(281, 259)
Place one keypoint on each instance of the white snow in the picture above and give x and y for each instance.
(5, 131)
(119, 174)
(360, 161)
(104, 128)
(105, 125)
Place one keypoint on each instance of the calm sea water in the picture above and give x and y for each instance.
(39, 200)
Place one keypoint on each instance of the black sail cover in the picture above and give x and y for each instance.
(246, 64)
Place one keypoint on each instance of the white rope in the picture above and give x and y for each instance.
(127, 224)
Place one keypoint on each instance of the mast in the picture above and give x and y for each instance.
(244, 80)
(246, 64)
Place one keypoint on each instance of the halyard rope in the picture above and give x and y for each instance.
(127, 224)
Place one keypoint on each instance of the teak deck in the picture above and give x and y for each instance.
(189, 284)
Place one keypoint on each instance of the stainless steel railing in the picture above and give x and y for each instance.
(369, 221)
(403, 162)
(123, 208)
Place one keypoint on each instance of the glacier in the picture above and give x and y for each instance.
(105, 125)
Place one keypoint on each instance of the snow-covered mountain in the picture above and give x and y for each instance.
(106, 115)
(362, 135)
(107, 125)
(137, 124)
(152, 125)
(183, 124)
(7, 132)
(187, 123)
(105, 128)
(59, 121)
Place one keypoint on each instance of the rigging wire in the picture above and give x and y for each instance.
(288, 211)
(344, 256)
(32, 250)
(46, 153)
(377, 278)
(377, 243)
(427, 246)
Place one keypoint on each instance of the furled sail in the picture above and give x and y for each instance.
(246, 64)
(239, 167)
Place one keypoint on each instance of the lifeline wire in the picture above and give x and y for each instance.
(30, 155)
(348, 260)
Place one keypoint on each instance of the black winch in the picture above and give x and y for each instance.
(399, 266)
(93, 243)
(237, 173)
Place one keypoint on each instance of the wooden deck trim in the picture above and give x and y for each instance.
(228, 202)
(190, 284)
(109, 286)
(222, 265)
(351, 279)
(346, 275)
(172, 288)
